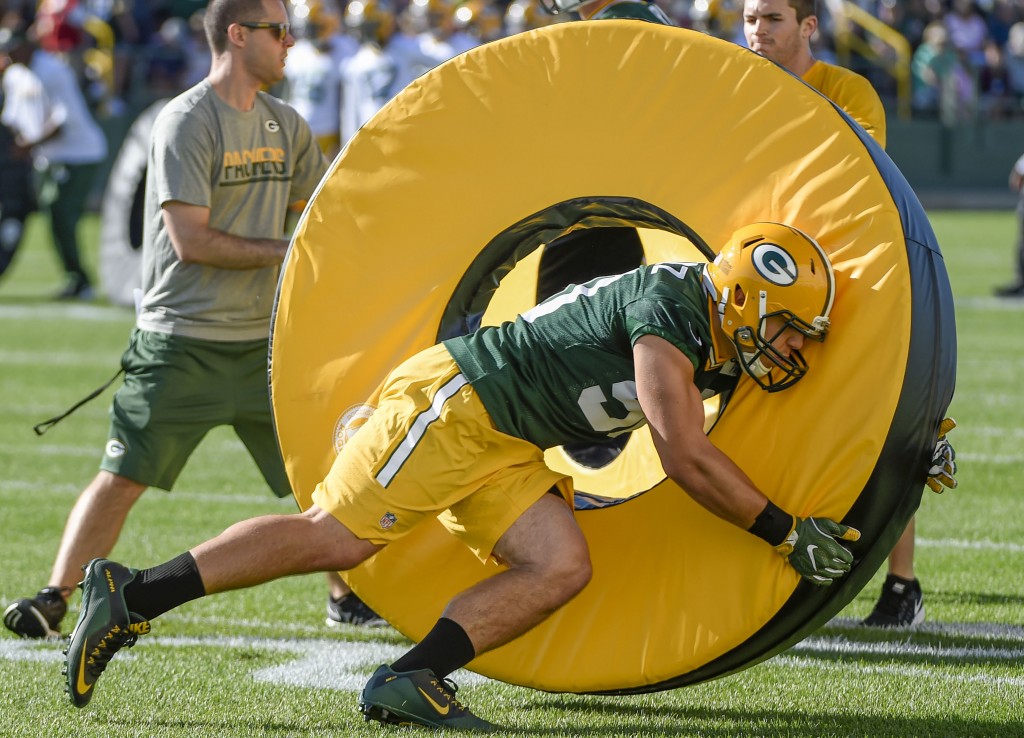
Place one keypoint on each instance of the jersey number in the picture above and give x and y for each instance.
(592, 401)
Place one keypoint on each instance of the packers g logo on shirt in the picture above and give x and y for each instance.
(774, 263)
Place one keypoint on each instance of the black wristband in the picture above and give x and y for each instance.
(773, 524)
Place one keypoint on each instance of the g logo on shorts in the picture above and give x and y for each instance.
(115, 449)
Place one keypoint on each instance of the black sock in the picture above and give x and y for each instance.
(443, 650)
(155, 591)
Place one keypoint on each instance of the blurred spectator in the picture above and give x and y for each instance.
(342, 44)
(1001, 17)
(423, 39)
(1013, 58)
(995, 97)
(312, 76)
(368, 77)
(940, 83)
(474, 22)
(58, 26)
(25, 119)
(167, 59)
(908, 17)
(1016, 288)
(968, 33)
(199, 56)
(525, 15)
(68, 157)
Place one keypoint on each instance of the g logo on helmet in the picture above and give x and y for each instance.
(774, 263)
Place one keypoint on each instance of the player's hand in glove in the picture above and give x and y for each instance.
(941, 474)
(812, 549)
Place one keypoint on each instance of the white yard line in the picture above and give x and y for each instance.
(898, 670)
(321, 663)
(96, 313)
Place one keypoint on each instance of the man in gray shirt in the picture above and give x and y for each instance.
(226, 162)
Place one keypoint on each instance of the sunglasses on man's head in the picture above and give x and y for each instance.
(282, 29)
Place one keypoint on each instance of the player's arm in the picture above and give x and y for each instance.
(675, 413)
(195, 242)
(1017, 175)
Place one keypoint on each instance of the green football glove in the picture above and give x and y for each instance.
(941, 474)
(811, 548)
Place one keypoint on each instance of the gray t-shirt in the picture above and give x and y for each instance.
(247, 168)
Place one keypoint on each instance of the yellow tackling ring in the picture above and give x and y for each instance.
(486, 157)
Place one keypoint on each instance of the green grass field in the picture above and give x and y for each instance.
(261, 663)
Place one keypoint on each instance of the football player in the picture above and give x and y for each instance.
(459, 434)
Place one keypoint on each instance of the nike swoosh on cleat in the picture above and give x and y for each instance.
(440, 710)
(81, 685)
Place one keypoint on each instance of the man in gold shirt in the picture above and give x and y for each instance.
(781, 30)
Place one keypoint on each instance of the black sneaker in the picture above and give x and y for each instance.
(104, 627)
(417, 698)
(900, 606)
(76, 289)
(1011, 290)
(39, 616)
(350, 610)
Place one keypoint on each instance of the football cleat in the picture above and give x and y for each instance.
(350, 610)
(901, 604)
(104, 627)
(39, 616)
(417, 698)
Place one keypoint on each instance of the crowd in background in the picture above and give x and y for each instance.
(967, 57)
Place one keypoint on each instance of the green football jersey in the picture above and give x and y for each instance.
(563, 371)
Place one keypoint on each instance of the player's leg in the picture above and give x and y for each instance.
(254, 426)
(548, 564)
(92, 529)
(72, 183)
(272, 546)
(118, 602)
(156, 422)
(901, 603)
(94, 525)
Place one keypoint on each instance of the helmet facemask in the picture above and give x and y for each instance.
(770, 368)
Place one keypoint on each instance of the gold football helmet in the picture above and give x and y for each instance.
(771, 270)
(370, 20)
(315, 19)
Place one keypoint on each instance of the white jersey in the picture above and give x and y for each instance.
(367, 83)
(342, 47)
(314, 83)
(416, 55)
(26, 108)
(462, 42)
(80, 141)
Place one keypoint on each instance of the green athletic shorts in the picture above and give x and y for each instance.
(175, 390)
